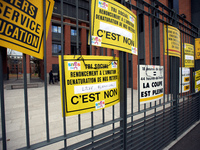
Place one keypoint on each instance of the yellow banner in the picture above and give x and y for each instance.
(91, 83)
(113, 26)
(172, 41)
(197, 81)
(188, 55)
(197, 48)
(21, 25)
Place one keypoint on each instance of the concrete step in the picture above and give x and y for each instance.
(21, 85)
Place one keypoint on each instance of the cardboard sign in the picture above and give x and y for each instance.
(151, 83)
(197, 81)
(91, 83)
(172, 41)
(113, 26)
(21, 25)
(188, 55)
(185, 85)
(197, 48)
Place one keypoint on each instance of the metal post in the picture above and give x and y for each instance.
(45, 72)
(17, 72)
(77, 32)
(90, 27)
(26, 102)
(149, 37)
(63, 79)
(138, 67)
(123, 95)
(3, 119)
(78, 53)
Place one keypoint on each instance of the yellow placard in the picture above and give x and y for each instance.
(91, 83)
(21, 25)
(113, 26)
(197, 81)
(188, 55)
(197, 48)
(172, 41)
(186, 87)
(186, 79)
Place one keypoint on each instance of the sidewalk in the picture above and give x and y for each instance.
(191, 141)
(15, 83)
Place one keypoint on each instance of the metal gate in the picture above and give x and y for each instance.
(129, 124)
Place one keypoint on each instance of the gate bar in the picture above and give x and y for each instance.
(138, 67)
(26, 102)
(123, 95)
(90, 27)
(3, 122)
(77, 31)
(45, 72)
(63, 79)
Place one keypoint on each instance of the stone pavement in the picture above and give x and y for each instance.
(15, 117)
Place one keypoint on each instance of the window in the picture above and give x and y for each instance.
(56, 49)
(56, 29)
(73, 32)
(74, 48)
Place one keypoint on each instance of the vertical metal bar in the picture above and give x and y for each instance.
(103, 110)
(150, 37)
(154, 34)
(193, 81)
(3, 119)
(155, 120)
(144, 123)
(138, 59)
(123, 95)
(182, 57)
(164, 46)
(144, 38)
(63, 79)
(90, 23)
(79, 122)
(45, 71)
(171, 74)
(163, 61)
(77, 30)
(167, 66)
(158, 48)
(92, 125)
(113, 106)
(26, 102)
(101, 51)
(131, 85)
(90, 27)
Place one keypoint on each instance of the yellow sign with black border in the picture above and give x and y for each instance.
(188, 55)
(91, 83)
(172, 41)
(197, 48)
(113, 26)
(21, 25)
(197, 81)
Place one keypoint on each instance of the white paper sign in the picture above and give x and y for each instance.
(151, 83)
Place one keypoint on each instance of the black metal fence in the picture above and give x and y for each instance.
(129, 124)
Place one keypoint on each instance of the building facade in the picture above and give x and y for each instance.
(150, 32)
